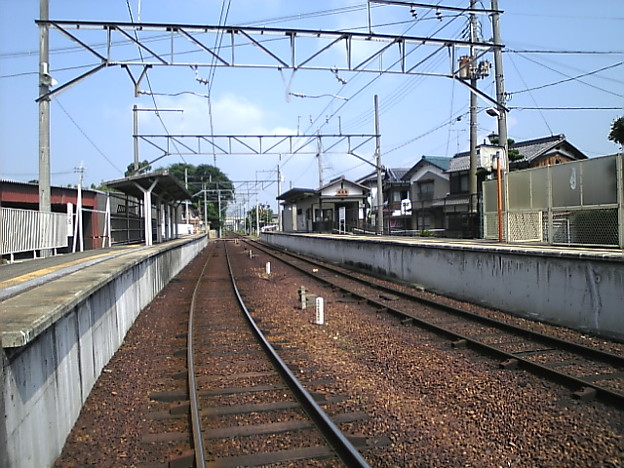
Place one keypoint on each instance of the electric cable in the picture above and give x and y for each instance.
(531, 95)
(572, 78)
(71, 119)
(149, 84)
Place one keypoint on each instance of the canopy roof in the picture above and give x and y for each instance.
(165, 186)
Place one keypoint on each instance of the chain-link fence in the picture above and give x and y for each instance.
(576, 203)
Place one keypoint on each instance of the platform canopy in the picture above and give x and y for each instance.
(163, 185)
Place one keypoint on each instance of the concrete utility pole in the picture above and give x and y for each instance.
(135, 131)
(502, 113)
(45, 81)
(279, 192)
(380, 200)
(500, 83)
(205, 210)
(319, 158)
(472, 174)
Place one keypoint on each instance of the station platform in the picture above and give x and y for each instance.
(481, 244)
(61, 320)
(23, 275)
(580, 288)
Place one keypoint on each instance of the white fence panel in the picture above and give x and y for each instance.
(28, 230)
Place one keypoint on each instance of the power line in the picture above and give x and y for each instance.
(531, 96)
(87, 137)
(428, 132)
(563, 52)
(149, 84)
(567, 108)
(572, 78)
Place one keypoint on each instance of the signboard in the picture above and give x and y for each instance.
(488, 154)
(70, 219)
(406, 206)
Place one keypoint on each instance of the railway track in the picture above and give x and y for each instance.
(396, 391)
(589, 372)
(247, 408)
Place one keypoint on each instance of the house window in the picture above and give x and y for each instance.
(425, 190)
(398, 195)
(459, 183)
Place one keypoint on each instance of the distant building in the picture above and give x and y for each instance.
(340, 205)
(555, 149)
(429, 184)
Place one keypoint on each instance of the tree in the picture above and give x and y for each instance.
(264, 215)
(514, 154)
(617, 131)
(144, 166)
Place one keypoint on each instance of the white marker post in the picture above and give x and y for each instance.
(320, 311)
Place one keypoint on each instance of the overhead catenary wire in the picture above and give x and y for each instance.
(80, 129)
(149, 84)
(572, 78)
(367, 85)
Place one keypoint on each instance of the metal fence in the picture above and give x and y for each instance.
(27, 230)
(127, 223)
(576, 203)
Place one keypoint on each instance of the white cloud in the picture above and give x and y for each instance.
(232, 114)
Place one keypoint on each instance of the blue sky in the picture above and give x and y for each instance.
(559, 54)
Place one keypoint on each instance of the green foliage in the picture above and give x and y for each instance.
(617, 131)
(514, 154)
(144, 166)
(264, 213)
(216, 183)
(206, 175)
(102, 188)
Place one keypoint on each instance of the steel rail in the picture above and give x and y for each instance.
(604, 394)
(343, 447)
(196, 426)
(605, 356)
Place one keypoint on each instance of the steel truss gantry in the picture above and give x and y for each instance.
(257, 144)
(256, 47)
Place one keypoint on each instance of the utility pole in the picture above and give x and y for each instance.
(319, 151)
(379, 169)
(500, 83)
(279, 192)
(219, 207)
(502, 113)
(257, 217)
(45, 80)
(472, 174)
(135, 131)
(206, 230)
(319, 156)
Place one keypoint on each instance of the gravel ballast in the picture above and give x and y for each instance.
(438, 406)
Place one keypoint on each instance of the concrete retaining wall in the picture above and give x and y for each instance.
(46, 381)
(580, 289)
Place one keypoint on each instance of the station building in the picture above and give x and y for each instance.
(340, 205)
